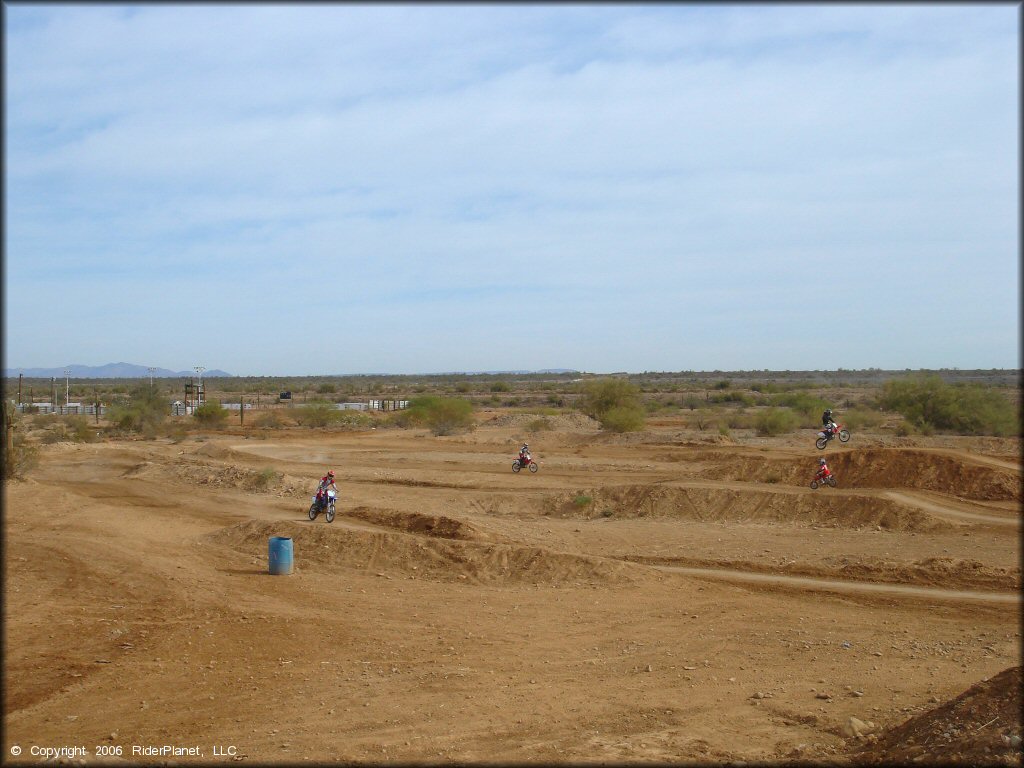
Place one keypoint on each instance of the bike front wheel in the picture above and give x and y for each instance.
(533, 466)
(844, 435)
(330, 514)
(832, 481)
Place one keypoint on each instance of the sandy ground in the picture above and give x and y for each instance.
(666, 596)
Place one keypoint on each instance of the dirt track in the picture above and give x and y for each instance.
(658, 597)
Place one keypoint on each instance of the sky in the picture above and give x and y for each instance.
(322, 189)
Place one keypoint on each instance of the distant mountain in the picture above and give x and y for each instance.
(108, 371)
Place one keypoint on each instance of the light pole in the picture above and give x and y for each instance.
(67, 387)
(199, 370)
(151, 376)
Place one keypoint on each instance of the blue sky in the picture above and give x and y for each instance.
(323, 189)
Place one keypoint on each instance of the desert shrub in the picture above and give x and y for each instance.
(501, 386)
(860, 418)
(539, 425)
(22, 457)
(78, 429)
(623, 418)
(723, 384)
(176, 432)
(210, 414)
(723, 429)
(144, 411)
(327, 388)
(741, 420)
(317, 414)
(265, 477)
(775, 421)
(929, 403)
(692, 402)
(806, 405)
(442, 415)
(268, 420)
(615, 403)
(582, 500)
(733, 396)
(353, 419)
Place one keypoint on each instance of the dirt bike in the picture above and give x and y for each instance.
(827, 434)
(324, 503)
(524, 462)
(826, 480)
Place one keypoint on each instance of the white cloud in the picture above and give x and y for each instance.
(487, 158)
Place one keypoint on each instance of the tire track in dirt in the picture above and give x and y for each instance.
(944, 510)
(850, 587)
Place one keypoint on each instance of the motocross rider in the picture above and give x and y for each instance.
(326, 482)
(524, 454)
(823, 470)
(826, 420)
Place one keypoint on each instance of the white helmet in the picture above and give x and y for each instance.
(822, 462)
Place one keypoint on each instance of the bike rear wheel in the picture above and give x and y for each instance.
(516, 466)
(814, 485)
(821, 442)
(313, 511)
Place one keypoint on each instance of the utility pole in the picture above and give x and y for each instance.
(67, 387)
(151, 377)
(20, 377)
(241, 411)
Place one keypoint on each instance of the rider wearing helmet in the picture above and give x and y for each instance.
(826, 420)
(524, 454)
(823, 470)
(327, 481)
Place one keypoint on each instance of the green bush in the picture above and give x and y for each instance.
(210, 414)
(316, 414)
(775, 421)
(501, 386)
(615, 403)
(860, 418)
(539, 425)
(144, 412)
(442, 415)
(80, 430)
(623, 418)
(929, 403)
(806, 405)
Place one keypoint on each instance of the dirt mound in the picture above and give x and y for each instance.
(982, 726)
(879, 468)
(933, 571)
(942, 572)
(318, 546)
(747, 506)
(414, 522)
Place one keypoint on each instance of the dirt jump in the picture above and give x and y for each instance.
(656, 597)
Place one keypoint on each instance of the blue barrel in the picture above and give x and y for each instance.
(280, 555)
